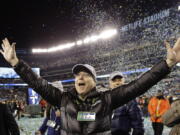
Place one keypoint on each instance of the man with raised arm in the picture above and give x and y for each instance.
(84, 110)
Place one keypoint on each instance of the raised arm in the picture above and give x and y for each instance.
(124, 94)
(41, 86)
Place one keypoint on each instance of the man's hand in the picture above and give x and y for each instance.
(9, 52)
(58, 113)
(173, 54)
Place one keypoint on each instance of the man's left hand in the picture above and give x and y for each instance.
(173, 54)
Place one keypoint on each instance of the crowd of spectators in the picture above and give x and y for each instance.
(128, 51)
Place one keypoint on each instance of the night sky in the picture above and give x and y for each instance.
(44, 23)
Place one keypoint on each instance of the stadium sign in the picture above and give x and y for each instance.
(141, 22)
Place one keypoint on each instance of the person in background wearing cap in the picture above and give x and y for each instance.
(52, 121)
(157, 106)
(172, 117)
(84, 110)
(127, 117)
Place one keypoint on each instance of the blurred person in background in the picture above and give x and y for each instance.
(51, 122)
(8, 125)
(43, 105)
(170, 98)
(157, 106)
(127, 118)
(18, 109)
(172, 117)
(145, 106)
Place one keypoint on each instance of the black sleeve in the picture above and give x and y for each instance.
(125, 93)
(10, 122)
(40, 85)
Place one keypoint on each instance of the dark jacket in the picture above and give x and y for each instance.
(127, 117)
(102, 103)
(8, 125)
(172, 116)
(51, 130)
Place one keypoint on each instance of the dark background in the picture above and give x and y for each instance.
(44, 23)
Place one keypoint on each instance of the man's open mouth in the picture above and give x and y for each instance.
(81, 84)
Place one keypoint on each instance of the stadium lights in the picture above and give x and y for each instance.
(39, 50)
(94, 38)
(108, 34)
(178, 7)
(52, 49)
(89, 39)
(86, 40)
(79, 42)
(61, 47)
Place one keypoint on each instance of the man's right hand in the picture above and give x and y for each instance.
(9, 52)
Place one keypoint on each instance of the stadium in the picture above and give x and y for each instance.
(131, 49)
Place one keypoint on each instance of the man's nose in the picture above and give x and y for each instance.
(80, 77)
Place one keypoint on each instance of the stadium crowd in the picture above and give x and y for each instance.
(129, 51)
